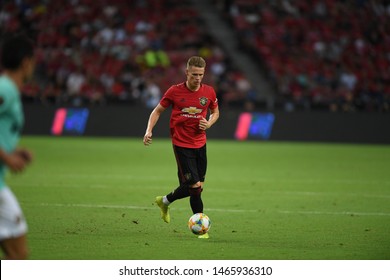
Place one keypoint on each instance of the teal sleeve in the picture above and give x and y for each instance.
(5, 101)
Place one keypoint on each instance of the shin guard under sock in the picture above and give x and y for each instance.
(196, 200)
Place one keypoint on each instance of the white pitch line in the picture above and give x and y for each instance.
(216, 209)
(137, 207)
(98, 206)
(132, 177)
(216, 190)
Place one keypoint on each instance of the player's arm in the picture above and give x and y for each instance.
(17, 160)
(206, 124)
(153, 118)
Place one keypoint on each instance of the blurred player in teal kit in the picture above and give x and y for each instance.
(17, 64)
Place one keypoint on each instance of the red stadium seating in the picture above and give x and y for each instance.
(319, 54)
(111, 42)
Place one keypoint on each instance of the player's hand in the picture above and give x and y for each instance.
(25, 154)
(204, 124)
(15, 162)
(148, 138)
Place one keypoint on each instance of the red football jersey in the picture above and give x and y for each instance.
(188, 108)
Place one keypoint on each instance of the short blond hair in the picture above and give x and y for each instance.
(196, 61)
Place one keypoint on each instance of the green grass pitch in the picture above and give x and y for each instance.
(92, 198)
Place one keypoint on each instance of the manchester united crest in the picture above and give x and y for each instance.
(203, 101)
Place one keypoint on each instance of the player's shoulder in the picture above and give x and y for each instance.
(180, 86)
(3, 82)
(175, 89)
(208, 89)
(7, 87)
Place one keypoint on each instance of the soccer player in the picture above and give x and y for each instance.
(191, 101)
(18, 65)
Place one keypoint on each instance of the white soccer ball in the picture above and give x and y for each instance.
(199, 223)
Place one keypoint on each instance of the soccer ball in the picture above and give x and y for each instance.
(199, 223)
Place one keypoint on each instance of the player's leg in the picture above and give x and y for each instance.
(202, 168)
(195, 198)
(13, 226)
(197, 188)
(189, 177)
(15, 248)
(182, 156)
(186, 160)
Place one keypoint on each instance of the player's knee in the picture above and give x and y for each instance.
(196, 189)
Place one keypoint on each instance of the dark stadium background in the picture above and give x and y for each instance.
(288, 71)
(322, 67)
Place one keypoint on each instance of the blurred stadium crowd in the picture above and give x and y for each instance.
(320, 54)
(332, 54)
(100, 52)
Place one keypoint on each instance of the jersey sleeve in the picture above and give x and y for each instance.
(5, 101)
(167, 99)
(214, 100)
